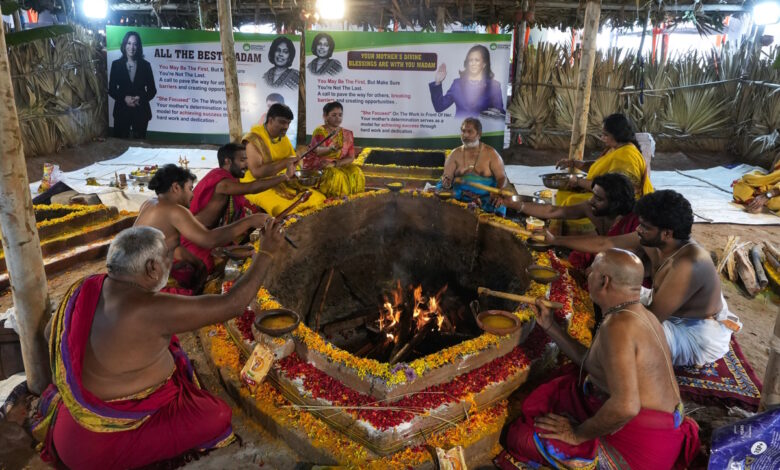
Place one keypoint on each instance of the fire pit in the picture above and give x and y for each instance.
(377, 267)
(413, 166)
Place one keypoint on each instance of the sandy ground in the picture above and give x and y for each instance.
(262, 450)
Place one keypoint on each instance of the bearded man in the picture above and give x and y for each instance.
(474, 162)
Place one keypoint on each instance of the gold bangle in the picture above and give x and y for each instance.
(260, 252)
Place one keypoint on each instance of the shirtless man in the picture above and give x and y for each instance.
(686, 295)
(129, 397)
(630, 405)
(474, 162)
(169, 213)
(610, 209)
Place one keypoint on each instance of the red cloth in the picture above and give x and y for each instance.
(649, 441)
(236, 209)
(179, 416)
(627, 224)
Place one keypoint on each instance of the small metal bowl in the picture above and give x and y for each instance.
(537, 245)
(308, 178)
(498, 322)
(143, 178)
(546, 198)
(395, 186)
(524, 198)
(556, 180)
(542, 274)
(239, 252)
(277, 322)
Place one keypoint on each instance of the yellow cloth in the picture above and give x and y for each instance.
(757, 182)
(626, 160)
(338, 181)
(276, 199)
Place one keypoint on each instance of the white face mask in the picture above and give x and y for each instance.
(470, 145)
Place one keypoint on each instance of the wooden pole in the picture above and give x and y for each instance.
(439, 19)
(229, 66)
(520, 48)
(579, 130)
(20, 240)
(770, 395)
(17, 21)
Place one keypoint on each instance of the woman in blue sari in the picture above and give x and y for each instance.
(474, 162)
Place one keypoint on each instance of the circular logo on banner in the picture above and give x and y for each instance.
(758, 448)
(247, 47)
(493, 47)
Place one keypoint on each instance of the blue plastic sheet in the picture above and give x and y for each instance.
(750, 444)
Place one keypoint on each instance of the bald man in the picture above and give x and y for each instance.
(628, 407)
(686, 296)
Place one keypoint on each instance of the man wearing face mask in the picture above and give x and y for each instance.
(270, 153)
(474, 162)
(124, 394)
(686, 295)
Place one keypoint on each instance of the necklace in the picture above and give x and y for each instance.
(620, 307)
(670, 257)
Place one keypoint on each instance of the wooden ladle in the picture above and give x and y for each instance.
(518, 298)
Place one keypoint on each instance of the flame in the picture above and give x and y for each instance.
(424, 310)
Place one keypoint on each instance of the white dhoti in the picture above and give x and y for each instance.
(696, 341)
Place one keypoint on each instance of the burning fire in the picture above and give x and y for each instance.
(424, 310)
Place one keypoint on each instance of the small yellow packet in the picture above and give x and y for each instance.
(452, 459)
(257, 367)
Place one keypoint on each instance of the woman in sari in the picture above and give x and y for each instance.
(340, 177)
(622, 155)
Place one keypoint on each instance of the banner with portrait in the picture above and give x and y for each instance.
(167, 84)
(409, 89)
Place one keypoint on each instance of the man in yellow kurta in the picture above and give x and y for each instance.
(757, 190)
(269, 152)
(621, 156)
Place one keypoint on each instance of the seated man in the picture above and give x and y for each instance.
(686, 295)
(474, 162)
(124, 393)
(168, 212)
(218, 199)
(627, 413)
(269, 152)
(757, 190)
(610, 210)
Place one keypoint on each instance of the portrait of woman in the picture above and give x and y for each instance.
(131, 84)
(282, 55)
(475, 92)
(322, 47)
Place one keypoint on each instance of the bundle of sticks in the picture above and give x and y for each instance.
(749, 262)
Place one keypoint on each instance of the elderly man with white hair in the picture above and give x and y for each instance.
(124, 393)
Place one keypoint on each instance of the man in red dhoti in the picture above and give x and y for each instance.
(610, 210)
(124, 393)
(169, 213)
(627, 413)
(218, 199)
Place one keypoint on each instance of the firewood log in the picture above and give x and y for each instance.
(746, 272)
(755, 257)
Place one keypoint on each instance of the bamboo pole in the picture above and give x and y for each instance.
(520, 48)
(20, 240)
(229, 66)
(17, 21)
(770, 395)
(440, 19)
(579, 130)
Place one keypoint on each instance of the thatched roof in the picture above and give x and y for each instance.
(422, 14)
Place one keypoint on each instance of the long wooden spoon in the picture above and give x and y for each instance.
(517, 230)
(490, 189)
(518, 298)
